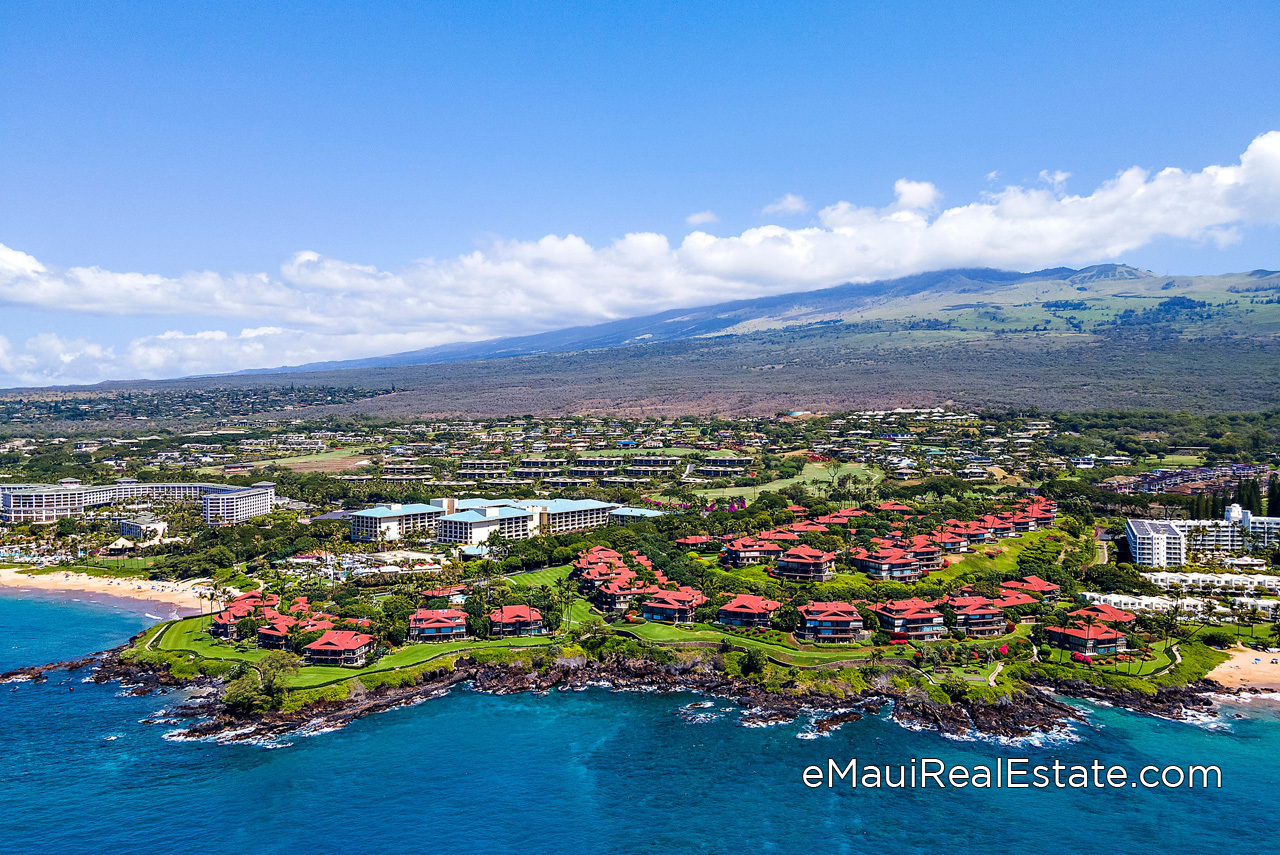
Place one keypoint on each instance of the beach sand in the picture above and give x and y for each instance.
(1240, 671)
(183, 596)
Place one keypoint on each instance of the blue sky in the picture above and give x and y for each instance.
(424, 154)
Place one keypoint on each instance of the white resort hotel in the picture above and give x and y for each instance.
(472, 521)
(222, 504)
(1167, 543)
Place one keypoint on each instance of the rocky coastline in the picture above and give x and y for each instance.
(1038, 710)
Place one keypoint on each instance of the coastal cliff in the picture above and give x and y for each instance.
(1033, 710)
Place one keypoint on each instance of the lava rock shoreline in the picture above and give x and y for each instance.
(1037, 710)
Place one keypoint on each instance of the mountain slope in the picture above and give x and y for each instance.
(740, 315)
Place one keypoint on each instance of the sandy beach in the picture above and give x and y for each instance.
(1241, 671)
(184, 596)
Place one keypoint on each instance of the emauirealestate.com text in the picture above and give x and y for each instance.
(1011, 773)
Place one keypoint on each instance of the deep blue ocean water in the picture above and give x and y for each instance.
(586, 772)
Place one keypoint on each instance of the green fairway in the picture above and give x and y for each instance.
(547, 576)
(815, 475)
(191, 635)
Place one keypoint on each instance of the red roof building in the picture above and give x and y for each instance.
(830, 623)
(1105, 613)
(748, 610)
(1031, 585)
(515, 620)
(806, 564)
(339, 647)
(673, 606)
(749, 550)
(913, 619)
(1094, 640)
(888, 564)
(437, 624)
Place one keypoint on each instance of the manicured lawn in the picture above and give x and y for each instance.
(192, 635)
(310, 676)
(813, 474)
(661, 633)
(579, 611)
(115, 563)
(1137, 668)
(547, 576)
(1005, 561)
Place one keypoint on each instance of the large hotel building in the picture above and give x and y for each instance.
(222, 504)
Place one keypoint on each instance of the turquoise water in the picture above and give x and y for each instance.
(588, 772)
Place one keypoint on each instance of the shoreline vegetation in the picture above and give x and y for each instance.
(1025, 699)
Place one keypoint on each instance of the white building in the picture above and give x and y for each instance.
(475, 525)
(394, 521)
(44, 503)
(1166, 543)
(1263, 531)
(558, 516)
(1216, 581)
(239, 506)
(144, 528)
(1135, 603)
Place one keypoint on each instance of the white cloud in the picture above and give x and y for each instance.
(701, 218)
(1056, 179)
(916, 195)
(788, 204)
(319, 308)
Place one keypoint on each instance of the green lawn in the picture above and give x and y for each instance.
(191, 635)
(814, 474)
(112, 563)
(334, 454)
(661, 633)
(1005, 562)
(1137, 668)
(547, 576)
(579, 611)
(310, 676)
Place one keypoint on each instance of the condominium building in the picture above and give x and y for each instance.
(238, 506)
(475, 525)
(393, 521)
(1263, 531)
(557, 516)
(1166, 543)
(43, 503)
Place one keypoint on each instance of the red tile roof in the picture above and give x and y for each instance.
(750, 604)
(340, 640)
(515, 614)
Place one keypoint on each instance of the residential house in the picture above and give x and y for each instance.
(830, 623)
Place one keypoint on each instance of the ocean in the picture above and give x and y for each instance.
(571, 772)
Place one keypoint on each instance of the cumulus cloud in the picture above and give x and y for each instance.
(701, 218)
(787, 204)
(319, 308)
(916, 195)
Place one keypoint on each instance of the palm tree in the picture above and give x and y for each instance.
(1255, 616)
